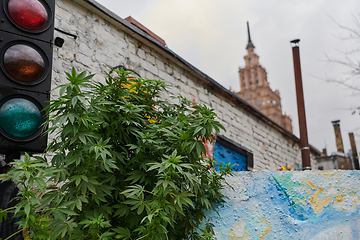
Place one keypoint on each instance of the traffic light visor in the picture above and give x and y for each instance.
(20, 118)
(28, 14)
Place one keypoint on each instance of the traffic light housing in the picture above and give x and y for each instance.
(26, 45)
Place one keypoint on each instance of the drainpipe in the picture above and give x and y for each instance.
(304, 144)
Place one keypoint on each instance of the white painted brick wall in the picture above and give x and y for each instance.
(101, 44)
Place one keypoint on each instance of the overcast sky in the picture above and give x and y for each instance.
(212, 36)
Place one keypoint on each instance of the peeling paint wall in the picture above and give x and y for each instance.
(290, 205)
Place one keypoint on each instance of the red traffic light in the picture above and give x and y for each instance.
(28, 14)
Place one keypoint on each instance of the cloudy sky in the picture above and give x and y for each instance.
(212, 36)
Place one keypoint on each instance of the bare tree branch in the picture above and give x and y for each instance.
(350, 59)
(354, 33)
(340, 82)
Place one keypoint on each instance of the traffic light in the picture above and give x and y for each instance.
(26, 41)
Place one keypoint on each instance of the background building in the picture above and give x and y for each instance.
(255, 88)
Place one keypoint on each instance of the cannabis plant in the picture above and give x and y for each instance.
(123, 164)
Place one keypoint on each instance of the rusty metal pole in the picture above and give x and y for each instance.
(304, 144)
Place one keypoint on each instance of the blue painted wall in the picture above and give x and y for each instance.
(290, 205)
(226, 155)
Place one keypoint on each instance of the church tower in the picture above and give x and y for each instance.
(255, 88)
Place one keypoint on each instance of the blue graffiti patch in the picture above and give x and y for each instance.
(227, 155)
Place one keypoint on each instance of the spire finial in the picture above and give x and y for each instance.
(249, 37)
(250, 44)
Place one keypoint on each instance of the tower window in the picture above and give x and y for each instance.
(250, 61)
(259, 102)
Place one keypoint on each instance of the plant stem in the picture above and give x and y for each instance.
(14, 234)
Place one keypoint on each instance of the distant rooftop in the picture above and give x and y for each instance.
(145, 29)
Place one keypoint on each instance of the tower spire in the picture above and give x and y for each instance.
(250, 44)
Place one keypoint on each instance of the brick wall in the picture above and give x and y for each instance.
(104, 40)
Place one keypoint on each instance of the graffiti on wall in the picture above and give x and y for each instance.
(314, 205)
(227, 155)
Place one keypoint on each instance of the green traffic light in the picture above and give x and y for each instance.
(19, 117)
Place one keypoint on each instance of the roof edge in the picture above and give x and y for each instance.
(148, 31)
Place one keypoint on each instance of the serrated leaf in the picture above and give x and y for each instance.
(27, 208)
(140, 209)
(91, 187)
(78, 204)
(67, 211)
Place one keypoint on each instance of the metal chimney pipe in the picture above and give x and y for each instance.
(304, 144)
(354, 151)
(324, 151)
(338, 137)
